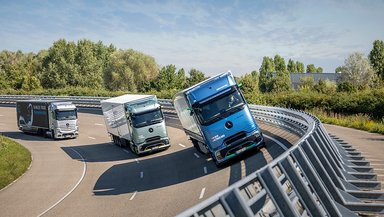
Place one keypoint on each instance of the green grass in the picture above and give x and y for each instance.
(357, 121)
(14, 160)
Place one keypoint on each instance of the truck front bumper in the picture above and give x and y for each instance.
(237, 147)
(153, 144)
(67, 134)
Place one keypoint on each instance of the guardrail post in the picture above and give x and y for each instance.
(277, 194)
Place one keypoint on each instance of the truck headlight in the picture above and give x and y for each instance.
(218, 156)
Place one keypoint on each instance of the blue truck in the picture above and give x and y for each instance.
(216, 117)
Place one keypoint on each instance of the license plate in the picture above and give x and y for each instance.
(241, 150)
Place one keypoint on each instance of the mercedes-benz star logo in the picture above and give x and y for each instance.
(228, 124)
(150, 130)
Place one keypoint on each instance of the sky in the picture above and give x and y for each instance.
(212, 36)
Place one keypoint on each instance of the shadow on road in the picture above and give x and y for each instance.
(25, 136)
(153, 173)
(101, 152)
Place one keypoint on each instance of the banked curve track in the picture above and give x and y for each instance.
(313, 175)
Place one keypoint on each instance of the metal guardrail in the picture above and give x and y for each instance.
(317, 176)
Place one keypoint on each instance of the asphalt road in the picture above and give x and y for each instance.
(89, 176)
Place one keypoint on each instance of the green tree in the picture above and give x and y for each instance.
(118, 75)
(181, 79)
(346, 86)
(291, 66)
(130, 70)
(58, 67)
(265, 79)
(376, 57)
(89, 68)
(358, 71)
(311, 68)
(282, 80)
(279, 64)
(306, 84)
(339, 69)
(319, 70)
(30, 82)
(167, 78)
(325, 86)
(300, 67)
(249, 83)
(195, 76)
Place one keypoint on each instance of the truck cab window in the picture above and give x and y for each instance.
(147, 118)
(219, 107)
(66, 115)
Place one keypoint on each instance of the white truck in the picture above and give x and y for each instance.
(136, 121)
(49, 118)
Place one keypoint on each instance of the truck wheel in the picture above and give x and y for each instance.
(196, 145)
(218, 165)
(45, 134)
(200, 146)
(53, 134)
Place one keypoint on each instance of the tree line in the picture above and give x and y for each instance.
(96, 66)
(90, 65)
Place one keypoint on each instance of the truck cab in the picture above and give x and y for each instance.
(217, 118)
(63, 120)
(147, 126)
(136, 121)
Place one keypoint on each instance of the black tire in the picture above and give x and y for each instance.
(196, 145)
(53, 134)
(218, 165)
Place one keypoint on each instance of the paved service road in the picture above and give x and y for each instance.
(371, 146)
(89, 176)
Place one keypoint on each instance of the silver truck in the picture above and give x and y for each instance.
(49, 118)
(136, 121)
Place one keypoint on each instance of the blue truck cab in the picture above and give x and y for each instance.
(216, 117)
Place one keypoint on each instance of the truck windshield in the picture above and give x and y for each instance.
(66, 115)
(219, 107)
(147, 118)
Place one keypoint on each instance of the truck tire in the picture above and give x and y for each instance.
(198, 145)
(53, 134)
(218, 165)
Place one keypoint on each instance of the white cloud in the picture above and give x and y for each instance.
(211, 37)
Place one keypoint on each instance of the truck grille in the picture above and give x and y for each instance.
(65, 127)
(239, 141)
(240, 135)
(151, 139)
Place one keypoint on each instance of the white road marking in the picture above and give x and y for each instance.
(133, 196)
(205, 170)
(77, 184)
(141, 175)
(277, 142)
(196, 155)
(182, 145)
(91, 137)
(202, 193)
(137, 161)
(97, 124)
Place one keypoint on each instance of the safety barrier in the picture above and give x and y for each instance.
(317, 176)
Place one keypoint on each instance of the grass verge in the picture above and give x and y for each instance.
(14, 161)
(358, 121)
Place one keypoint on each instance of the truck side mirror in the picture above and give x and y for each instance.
(190, 111)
